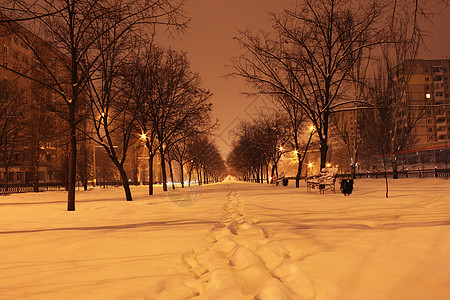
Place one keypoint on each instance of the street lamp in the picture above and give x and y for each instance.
(310, 165)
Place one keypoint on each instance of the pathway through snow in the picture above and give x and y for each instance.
(241, 261)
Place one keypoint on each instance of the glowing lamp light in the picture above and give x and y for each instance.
(281, 148)
(310, 165)
(428, 95)
(328, 165)
(143, 136)
(295, 152)
(311, 128)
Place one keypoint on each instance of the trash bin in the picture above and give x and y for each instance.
(285, 181)
(346, 186)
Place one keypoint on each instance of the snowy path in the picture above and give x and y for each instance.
(241, 261)
(229, 241)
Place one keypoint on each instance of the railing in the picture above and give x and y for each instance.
(10, 188)
(413, 173)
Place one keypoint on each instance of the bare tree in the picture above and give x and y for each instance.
(310, 59)
(71, 32)
(170, 99)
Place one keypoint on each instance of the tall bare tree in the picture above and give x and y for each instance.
(311, 56)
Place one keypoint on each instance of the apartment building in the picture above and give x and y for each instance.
(430, 81)
(33, 147)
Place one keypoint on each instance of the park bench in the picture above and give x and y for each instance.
(281, 179)
(324, 181)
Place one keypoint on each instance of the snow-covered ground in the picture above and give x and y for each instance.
(230, 241)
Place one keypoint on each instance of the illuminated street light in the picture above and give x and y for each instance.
(312, 128)
(309, 167)
(295, 152)
(328, 165)
(281, 148)
(143, 136)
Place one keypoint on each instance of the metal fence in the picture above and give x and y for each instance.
(10, 188)
(413, 173)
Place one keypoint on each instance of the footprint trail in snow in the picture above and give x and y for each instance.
(241, 261)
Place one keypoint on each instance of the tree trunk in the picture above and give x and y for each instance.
(190, 175)
(394, 167)
(323, 153)
(163, 169)
(199, 177)
(171, 174)
(385, 176)
(150, 173)
(126, 184)
(299, 170)
(182, 175)
(72, 159)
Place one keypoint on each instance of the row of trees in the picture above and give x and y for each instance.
(330, 56)
(112, 83)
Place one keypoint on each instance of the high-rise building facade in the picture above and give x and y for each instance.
(429, 81)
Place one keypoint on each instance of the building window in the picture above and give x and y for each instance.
(430, 138)
(439, 94)
(5, 80)
(427, 87)
(437, 69)
(426, 70)
(5, 49)
(438, 78)
(445, 70)
(427, 79)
